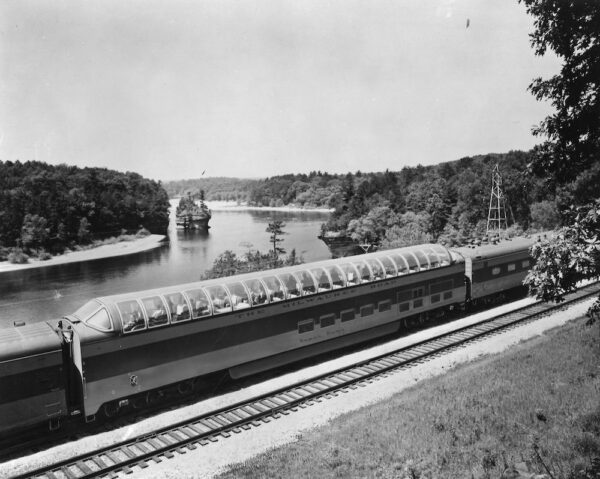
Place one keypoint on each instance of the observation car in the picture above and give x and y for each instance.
(136, 342)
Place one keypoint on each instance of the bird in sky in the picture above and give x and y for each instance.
(468, 22)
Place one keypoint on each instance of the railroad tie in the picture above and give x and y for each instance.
(84, 467)
(67, 472)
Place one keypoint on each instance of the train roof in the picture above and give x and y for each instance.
(425, 256)
(27, 340)
(502, 248)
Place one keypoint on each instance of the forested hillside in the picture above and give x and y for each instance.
(315, 190)
(446, 202)
(215, 189)
(45, 207)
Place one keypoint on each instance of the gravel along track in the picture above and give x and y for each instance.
(154, 453)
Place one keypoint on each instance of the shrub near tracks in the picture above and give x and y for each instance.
(537, 403)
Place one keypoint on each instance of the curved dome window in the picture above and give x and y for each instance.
(100, 320)
(274, 288)
(199, 302)
(219, 298)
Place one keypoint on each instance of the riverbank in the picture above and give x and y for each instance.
(234, 206)
(122, 248)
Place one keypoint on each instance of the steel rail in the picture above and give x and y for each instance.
(208, 427)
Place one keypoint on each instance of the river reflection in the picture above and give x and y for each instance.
(39, 294)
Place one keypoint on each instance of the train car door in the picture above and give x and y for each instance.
(75, 377)
(468, 277)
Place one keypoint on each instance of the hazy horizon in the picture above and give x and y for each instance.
(256, 89)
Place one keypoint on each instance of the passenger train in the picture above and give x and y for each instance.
(123, 349)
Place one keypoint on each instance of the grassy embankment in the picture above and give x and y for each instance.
(536, 406)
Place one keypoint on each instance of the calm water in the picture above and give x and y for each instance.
(44, 293)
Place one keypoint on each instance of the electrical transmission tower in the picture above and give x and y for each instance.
(497, 213)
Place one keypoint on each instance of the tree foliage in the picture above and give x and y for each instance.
(568, 257)
(448, 202)
(51, 207)
(275, 229)
(228, 263)
(569, 158)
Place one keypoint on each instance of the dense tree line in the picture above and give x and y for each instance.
(215, 189)
(446, 202)
(46, 207)
(315, 190)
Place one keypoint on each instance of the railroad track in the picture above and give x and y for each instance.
(165, 443)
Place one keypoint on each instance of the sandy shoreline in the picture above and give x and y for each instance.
(105, 251)
(233, 206)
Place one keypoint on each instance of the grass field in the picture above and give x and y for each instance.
(535, 406)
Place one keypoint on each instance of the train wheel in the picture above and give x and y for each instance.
(185, 387)
(154, 397)
(110, 409)
(199, 384)
(139, 402)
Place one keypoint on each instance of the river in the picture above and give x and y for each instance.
(40, 294)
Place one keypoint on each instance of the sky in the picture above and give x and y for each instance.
(174, 89)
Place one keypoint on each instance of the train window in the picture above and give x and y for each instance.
(404, 307)
(512, 267)
(388, 266)
(327, 320)
(219, 298)
(525, 264)
(258, 295)
(384, 305)
(400, 262)
(433, 258)
(443, 254)
(417, 303)
(435, 298)
(132, 316)
(422, 259)
(496, 270)
(448, 295)
(350, 273)
(178, 307)
(404, 295)
(413, 266)
(376, 268)
(323, 282)
(337, 277)
(199, 302)
(87, 309)
(291, 285)
(100, 320)
(275, 288)
(441, 286)
(239, 295)
(417, 293)
(347, 315)
(157, 313)
(366, 310)
(306, 326)
(363, 271)
(307, 282)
